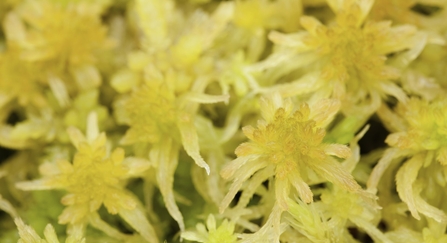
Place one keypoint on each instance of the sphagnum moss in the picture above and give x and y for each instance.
(264, 100)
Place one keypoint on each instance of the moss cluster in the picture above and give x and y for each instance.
(238, 121)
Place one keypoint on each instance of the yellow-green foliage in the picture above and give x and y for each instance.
(238, 121)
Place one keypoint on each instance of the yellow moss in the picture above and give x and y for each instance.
(211, 233)
(426, 128)
(287, 143)
(61, 36)
(422, 139)
(152, 115)
(95, 178)
(345, 59)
